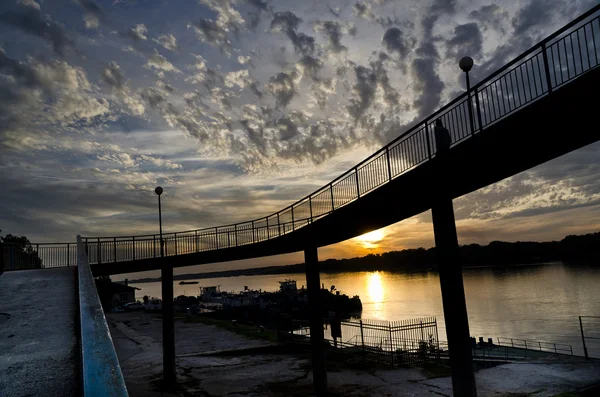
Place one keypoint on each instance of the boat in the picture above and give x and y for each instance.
(187, 282)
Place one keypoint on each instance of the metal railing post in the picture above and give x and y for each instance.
(546, 68)
(175, 238)
(357, 186)
(387, 155)
(115, 249)
(133, 237)
(310, 208)
(68, 255)
(154, 245)
(98, 252)
(391, 343)
(217, 238)
(253, 234)
(428, 139)
(331, 191)
(362, 336)
(478, 110)
(235, 232)
(293, 223)
(196, 240)
(278, 224)
(585, 351)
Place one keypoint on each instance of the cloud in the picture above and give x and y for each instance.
(467, 41)
(309, 66)
(363, 10)
(113, 76)
(368, 81)
(533, 14)
(93, 13)
(204, 74)
(168, 41)
(29, 19)
(283, 88)
(333, 31)
(427, 82)
(287, 22)
(210, 32)
(491, 15)
(138, 32)
(393, 40)
(29, 3)
(160, 64)
(35, 96)
(240, 78)
(216, 32)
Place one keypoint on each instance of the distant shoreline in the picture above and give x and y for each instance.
(572, 250)
(291, 269)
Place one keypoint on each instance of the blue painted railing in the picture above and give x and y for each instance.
(100, 369)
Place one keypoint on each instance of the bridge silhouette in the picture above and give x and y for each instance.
(534, 109)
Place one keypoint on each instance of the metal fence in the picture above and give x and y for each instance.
(38, 256)
(392, 343)
(548, 347)
(563, 56)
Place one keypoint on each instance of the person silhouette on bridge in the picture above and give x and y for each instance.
(442, 138)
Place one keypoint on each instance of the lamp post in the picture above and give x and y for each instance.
(466, 64)
(159, 191)
(167, 309)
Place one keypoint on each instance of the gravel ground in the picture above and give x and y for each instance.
(137, 338)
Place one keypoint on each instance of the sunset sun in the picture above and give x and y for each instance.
(372, 239)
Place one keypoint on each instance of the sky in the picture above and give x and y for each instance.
(238, 108)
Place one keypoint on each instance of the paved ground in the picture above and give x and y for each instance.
(137, 339)
(38, 355)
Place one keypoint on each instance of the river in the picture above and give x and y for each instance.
(534, 302)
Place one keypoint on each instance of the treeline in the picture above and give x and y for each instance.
(571, 249)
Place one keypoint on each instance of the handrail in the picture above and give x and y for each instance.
(100, 369)
(532, 75)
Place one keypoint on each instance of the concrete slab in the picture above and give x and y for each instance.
(38, 344)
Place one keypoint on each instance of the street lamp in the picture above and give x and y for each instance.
(465, 64)
(166, 274)
(159, 191)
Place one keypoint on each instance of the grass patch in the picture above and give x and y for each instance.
(248, 331)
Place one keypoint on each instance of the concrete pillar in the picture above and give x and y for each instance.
(317, 342)
(169, 376)
(453, 299)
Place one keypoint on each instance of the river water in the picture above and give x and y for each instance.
(535, 302)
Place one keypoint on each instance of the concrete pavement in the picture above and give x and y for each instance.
(38, 344)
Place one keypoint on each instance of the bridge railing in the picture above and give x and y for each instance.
(563, 56)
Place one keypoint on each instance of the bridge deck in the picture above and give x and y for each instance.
(38, 344)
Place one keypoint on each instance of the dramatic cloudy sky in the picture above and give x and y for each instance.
(240, 107)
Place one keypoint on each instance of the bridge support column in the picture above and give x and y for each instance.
(317, 342)
(453, 299)
(169, 376)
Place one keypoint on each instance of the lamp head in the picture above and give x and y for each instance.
(158, 190)
(466, 64)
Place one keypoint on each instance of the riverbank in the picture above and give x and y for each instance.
(571, 249)
(253, 367)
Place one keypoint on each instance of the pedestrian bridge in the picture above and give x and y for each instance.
(540, 106)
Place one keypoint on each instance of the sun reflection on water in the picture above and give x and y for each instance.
(375, 291)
